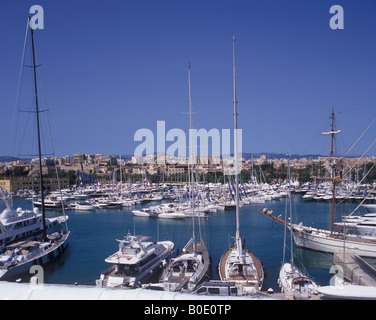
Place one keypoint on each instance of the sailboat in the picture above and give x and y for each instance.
(331, 240)
(18, 257)
(291, 280)
(191, 267)
(238, 264)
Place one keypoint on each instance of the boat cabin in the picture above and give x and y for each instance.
(219, 288)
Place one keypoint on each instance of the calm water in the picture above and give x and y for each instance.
(94, 233)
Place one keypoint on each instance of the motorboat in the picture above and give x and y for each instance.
(135, 262)
(49, 203)
(82, 206)
(19, 224)
(154, 211)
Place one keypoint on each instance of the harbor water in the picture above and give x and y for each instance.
(94, 233)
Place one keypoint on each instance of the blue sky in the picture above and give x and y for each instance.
(110, 68)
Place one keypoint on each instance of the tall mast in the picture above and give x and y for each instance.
(191, 147)
(333, 173)
(238, 240)
(334, 177)
(38, 129)
(289, 195)
(332, 133)
(121, 181)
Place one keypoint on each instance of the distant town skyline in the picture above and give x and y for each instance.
(110, 69)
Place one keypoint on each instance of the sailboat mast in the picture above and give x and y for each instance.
(238, 240)
(334, 176)
(289, 195)
(332, 140)
(38, 129)
(333, 173)
(121, 180)
(191, 147)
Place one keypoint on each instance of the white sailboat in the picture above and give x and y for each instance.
(191, 267)
(291, 280)
(238, 264)
(19, 257)
(342, 290)
(329, 240)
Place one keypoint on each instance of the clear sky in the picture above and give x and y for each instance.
(112, 67)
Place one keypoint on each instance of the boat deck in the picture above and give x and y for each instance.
(222, 268)
(185, 277)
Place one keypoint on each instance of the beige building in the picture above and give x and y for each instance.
(32, 183)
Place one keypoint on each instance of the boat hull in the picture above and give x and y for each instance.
(185, 280)
(112, 278)
(42, 259)
(320, 240)
(251, 282)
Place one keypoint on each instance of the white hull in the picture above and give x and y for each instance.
(29, 230)
(187, 270)
(142, 277)
(369, 207)
(140, 213)
(251, 277)
(135, 261)
(320, 240)
(40, 259)
(353, 292)
(293, 282)
(84, 208)
(172, 215)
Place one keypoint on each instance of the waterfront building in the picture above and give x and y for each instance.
(32, 183)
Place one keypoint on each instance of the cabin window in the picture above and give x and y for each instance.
(148, 259)
(213, 290)
(201, 290)
(18, 225)
(234, 291)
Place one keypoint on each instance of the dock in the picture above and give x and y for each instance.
(355, 268)
(40, 291)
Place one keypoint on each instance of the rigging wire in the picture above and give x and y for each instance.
(359, 138)
(17, 101)
(51, 141)
(362, 156)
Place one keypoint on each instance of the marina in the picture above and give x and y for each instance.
(84, 259)
(164, 218)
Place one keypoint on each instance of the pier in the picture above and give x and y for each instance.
(40, 291)
(356, 269)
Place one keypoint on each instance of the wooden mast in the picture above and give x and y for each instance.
(334, 176)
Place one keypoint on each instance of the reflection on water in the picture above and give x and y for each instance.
(314, 264)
